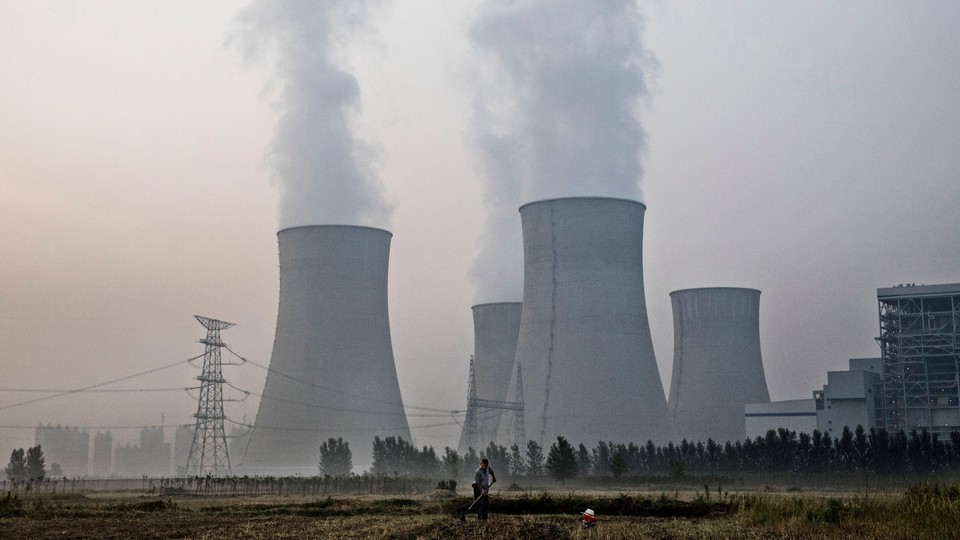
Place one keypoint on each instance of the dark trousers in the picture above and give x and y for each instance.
(482, 504)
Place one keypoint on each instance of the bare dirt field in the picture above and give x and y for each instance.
(928, 511)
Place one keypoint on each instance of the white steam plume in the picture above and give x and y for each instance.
(323, 169)
(559, 84)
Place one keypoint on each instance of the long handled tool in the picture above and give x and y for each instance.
(475, 501)
(463, 516)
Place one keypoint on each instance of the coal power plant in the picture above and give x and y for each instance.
(588, 363)
(717, 367)
(496, 328)
(332, 372)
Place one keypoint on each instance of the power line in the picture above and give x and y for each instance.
(331, 408)
(95, 391)
(87, 388)
(101, 427)
(319, 430)
(331, 389)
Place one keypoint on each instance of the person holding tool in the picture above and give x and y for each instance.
(483, 479)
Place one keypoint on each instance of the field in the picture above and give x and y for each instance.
(923, 511)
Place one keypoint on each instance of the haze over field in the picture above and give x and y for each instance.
(147, 150)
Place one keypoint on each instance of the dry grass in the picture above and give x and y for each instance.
(928, 511)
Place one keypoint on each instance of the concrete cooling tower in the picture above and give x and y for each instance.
(495, 331)
(717, 367)
(589, 369)
(332, 372)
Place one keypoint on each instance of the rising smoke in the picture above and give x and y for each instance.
(316, 158)
(557, 91)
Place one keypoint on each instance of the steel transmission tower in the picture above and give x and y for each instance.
(208, 452)
(472, 423)
(519, 426)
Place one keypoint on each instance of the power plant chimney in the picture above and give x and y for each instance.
(588, 363)
(717, 368)
(332, 373)
(495, 331)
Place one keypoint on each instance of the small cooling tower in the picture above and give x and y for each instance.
(495, 331)
(588, 365)
(717, 367)
(332, 372)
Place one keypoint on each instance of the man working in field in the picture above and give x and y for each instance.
(483, 479)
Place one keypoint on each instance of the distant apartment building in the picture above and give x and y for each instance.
(182, 441)
(151, 457)
(102, 454)
(68, 447)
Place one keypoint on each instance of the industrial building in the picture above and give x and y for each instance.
(798, 415)
(584, 346)
(717, 366)
(496, 327)
(850, 398)
(913, 385)
(332, 371)
(920, 350)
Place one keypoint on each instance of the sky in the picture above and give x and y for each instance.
(806, 149)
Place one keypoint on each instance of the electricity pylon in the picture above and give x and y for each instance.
(474, 404)
(208, 452)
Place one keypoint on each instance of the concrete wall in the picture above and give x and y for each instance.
(873, 365)
(717, 367)
(798, 415)
(589, 369)
(496, 328)
(332, 370)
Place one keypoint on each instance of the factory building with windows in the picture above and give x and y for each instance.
(920, 348)
(913, 385)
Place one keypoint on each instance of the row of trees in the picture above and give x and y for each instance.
(782, 450)
(778, 451)
(26, 466)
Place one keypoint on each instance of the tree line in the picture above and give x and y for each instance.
(778, 451)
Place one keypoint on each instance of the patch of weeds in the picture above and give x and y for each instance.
(622, 505)
(448, 485)
(158, 505)
(10, 505)
(831, 512)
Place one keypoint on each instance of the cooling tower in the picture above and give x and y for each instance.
(589, 369)
(717, 367)
(332, 372)
(495, 331)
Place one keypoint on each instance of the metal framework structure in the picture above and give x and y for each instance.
(208, 452)
(477, 406)
(920, 346)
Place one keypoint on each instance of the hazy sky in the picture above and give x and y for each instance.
(807, 149)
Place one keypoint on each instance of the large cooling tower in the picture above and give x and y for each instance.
(332, 373)
(717, 367)
(495, 331)
(589, 370)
